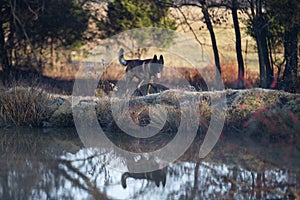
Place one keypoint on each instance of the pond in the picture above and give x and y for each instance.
(54, 164)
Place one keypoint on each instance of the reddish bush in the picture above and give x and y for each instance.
(230, 76)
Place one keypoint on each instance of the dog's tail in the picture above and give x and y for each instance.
(123, 179)
(121, 58)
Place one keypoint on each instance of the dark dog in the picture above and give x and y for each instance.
(148, 68)
(157, 176)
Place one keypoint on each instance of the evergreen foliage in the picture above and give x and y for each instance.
(31, 31)
(132, 14)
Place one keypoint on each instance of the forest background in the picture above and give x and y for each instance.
(252, 43)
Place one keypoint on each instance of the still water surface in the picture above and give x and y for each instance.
(54, 164)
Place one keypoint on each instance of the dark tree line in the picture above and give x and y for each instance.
(286, 14)
(275, 24)
(32, 30)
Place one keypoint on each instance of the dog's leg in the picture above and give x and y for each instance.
(126, 91)
(140, 85)
(150, 84)
(127, 84)
(148, 88)
(143, 78)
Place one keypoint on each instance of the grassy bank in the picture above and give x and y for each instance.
(259, 112)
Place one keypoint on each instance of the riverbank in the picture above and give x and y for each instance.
(252, 111)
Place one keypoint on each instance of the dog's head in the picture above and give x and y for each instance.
(157, 65)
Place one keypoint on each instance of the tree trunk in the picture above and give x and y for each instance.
(269, 69)
(262, 71)
(3, 54)
(238, 46)
(291, 57)
(4, 61)
(214, 43)
(6, 43)
(266, 72)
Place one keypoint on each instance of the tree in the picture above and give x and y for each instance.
(287, 15)
(130, 14)
(29, 30)
(238, 44)
(275, 24)
(234, 6)
(204, 6)
(258, 28)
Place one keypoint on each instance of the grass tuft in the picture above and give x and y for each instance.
(23, 106)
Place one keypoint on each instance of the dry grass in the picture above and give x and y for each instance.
(23, 106)
(224, 33)
(230, 76)
(194, 77)
(225, 41)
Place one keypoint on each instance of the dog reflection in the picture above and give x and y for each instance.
(157, 176)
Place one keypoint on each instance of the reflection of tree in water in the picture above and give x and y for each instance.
(218, 181)
(16, 152)
(52, 166)
(31, 167)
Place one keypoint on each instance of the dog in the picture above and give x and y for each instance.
(159, 175)
(147, 69)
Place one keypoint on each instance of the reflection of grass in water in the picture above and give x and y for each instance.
(139, 113)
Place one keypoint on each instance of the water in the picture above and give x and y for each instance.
(54, 164)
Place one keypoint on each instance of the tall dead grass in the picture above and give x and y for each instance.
(230, 76)
(23, 106)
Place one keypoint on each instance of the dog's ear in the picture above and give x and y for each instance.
(154, 58)
(161, 59)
